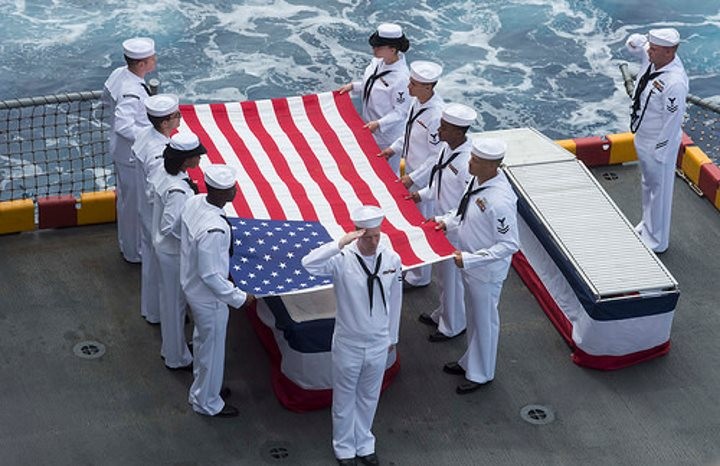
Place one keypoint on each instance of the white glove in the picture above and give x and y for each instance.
(636, 42)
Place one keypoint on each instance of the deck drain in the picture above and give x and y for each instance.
(610, 176)
(89, 349)
(537, 414)
(276, 452)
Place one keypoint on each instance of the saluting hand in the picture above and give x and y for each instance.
(345, 88)
(348, 238)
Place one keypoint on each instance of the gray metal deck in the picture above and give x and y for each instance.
(60, 287)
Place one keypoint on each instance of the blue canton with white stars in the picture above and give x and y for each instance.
(267, 255)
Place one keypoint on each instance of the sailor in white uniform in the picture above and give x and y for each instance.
(486, 224)
(448, 177)
(147, 153)
(172, 189)
(205, 244)
(368, 290)
(418, 144)
(123, 94)
(656, 119)
(384, 87)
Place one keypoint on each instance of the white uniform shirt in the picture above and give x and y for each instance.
(355, 324)
(488, 236)
(662, 102)
(171, 192)
(111, 92)
(423, 141)
(451, 180)
(204, 254)
(388, 102)
(130, 113)
(147, 152)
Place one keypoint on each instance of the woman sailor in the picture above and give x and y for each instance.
(385, 100)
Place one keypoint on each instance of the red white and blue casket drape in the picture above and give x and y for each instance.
(303, 164)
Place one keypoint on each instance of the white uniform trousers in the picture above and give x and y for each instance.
(172, 312)
(421, 276)
(450, 314)
(657, 190)
(357, 378)
(128, 220)
(483, 328)
(150, 279)
(211, 319)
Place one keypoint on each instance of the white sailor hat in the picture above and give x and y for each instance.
(219, 176)
(459, 115)
(161, 105)
(367, 216)
(389, 31)
(425, 71)
(183, 145)
(389, 34)
(666, 37)
(138, 48)
(488, 149)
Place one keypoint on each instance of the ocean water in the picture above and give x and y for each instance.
(550, 64)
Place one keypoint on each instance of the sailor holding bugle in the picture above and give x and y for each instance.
(419, 143)
(172, 189)
(147, 154)
(383, 89)
(486, 224)
(205, 249)
(448, 179)
(656, 119)
(123, 95)
(367, 281)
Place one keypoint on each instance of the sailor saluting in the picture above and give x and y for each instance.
(384, 87)
(368, 290)
(656, 119)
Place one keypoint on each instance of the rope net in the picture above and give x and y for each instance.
(53, 145)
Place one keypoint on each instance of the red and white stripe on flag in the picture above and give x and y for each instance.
(309, 158)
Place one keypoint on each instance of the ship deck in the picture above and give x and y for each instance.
(59, 287)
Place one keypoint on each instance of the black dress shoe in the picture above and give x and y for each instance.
(370, 459)
(225, 392)
(187, 368)
(469, 386)
(346, 461)
(438, 336)
(453, 368)
(228, 411)
(426, 319)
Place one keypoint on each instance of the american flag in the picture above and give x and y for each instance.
(309, 159)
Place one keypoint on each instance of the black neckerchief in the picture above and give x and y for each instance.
(147, 89)
(408, 128)
(192, 185)
(635, 119)
(439, 167)
(371, 82)
(371, 278)
(465, 200)
(232, 240)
